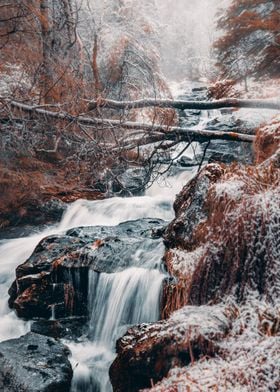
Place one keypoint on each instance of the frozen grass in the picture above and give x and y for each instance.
(248, 358)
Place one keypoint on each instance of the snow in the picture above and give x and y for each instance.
(185, 262)
(231, 188)
(14, 80)
(248, 359)
(273, 127)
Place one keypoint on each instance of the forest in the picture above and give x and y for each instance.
(139, 195)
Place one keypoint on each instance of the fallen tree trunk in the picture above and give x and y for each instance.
(183, 105)
(155, 132)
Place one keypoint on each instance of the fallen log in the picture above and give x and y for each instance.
(184, 105)
(159, 132)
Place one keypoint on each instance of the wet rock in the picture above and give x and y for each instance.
(189, 118)
(200, 89)
(187, 162)
(33, 214)
(226, 111)
(34, 363)
(147, 352)
(191, 209)
(240, 152)
(21, 231)
(230, 123)
(54, 280)
(70, 328)
(131, 183)
(222, 157)
(124, 181)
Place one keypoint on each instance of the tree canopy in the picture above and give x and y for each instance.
(250, 41)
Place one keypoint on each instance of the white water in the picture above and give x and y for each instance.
(116, 301)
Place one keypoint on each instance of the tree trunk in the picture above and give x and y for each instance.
(46, 76)
(95, 71)
(184, 105)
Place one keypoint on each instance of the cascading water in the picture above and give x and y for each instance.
(116, 300)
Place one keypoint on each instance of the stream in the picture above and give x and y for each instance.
(115, 300)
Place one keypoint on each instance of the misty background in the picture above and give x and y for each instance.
(176, 39)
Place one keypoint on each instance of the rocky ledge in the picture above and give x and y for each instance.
(147, 352)
(54, 280)
(34, 363)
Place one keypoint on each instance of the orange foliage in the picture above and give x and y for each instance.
(242, 19)
(23, 28)
(267, 141)
(221, 89)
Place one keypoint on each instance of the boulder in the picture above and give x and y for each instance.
(69, 328)
(124, 181)
(54, 280)
(191, 209)
(131, 183)
(224, 239)
(147, 352)
(32, 216)
(222, 157)
(34, 363)
(240, 152)
(188, 162)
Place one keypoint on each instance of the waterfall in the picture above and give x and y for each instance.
(115, 301)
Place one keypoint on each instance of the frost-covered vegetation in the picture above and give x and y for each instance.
(247, 359)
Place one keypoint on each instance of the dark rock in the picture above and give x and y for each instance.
(124, 181)
(69, 328)
(34, 363)
(243, 152)
(230, 123)
(198, 89)
(187, 162)
(148, 351)
(226, 111)
(55, 277)
(131, 183)
(21, 231)
(189, 118)
(223, 158)
(35, 213)
(190, 209)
